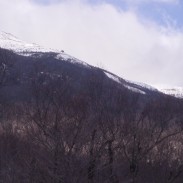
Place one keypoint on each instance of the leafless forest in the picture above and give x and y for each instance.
(99, 135)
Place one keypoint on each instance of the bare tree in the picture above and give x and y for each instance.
(149, 128)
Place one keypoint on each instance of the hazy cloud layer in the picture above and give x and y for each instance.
(149, 1)
(100, 34)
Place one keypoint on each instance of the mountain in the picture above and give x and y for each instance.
(10, 42)
(65, 121)
(19, 47)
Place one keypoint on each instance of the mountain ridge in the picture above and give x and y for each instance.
(10, 42)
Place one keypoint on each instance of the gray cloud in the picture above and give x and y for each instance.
(100, 35)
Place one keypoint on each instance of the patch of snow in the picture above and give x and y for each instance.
(66, 57)
(136, 90)
(113, 77)
(146, 86)
(63, 56)
(143, 85)
(117, 79)
(174, 91)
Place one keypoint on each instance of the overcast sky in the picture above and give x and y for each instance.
(140, 40)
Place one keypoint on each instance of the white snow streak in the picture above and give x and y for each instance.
(136, 90)
(113, 77)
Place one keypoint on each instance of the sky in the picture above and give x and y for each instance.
(139, 40)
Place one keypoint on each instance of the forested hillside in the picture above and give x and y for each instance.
(64, 122)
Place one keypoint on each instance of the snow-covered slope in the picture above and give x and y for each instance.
(10, 42)
(142, 88)
(174, 91)
(130, 85)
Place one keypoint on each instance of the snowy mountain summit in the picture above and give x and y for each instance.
(10, 42)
